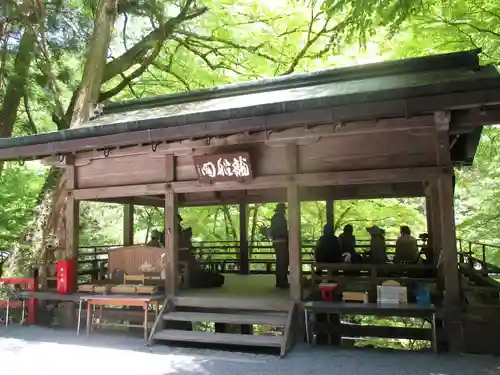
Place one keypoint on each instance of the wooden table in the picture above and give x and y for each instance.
(9, 303)
(375, 309)
(117, 300)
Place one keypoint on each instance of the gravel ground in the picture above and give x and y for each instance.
(35, 350)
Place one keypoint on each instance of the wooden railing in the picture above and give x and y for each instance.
(480, 257)
(223, 256)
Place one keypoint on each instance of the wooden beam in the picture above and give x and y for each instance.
(465, 121)
(169, 168)
(128, 224)
(443, 155)
(379, 176)
(462, 121)
(171, 244)
(318, 125)
(120, 191)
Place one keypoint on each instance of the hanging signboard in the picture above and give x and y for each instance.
(233, 166)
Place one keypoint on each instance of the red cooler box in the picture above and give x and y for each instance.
(65, 276)
(327, 291)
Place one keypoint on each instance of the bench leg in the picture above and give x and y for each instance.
(79, 317)
(434, 335)
(306, 319)
(145, 324)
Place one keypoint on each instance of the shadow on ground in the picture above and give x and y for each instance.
(25, 350)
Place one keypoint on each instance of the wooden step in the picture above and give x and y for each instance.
(258, 304)
(218, 338)
(272, 319)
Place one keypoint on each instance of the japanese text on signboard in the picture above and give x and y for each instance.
(223, 167)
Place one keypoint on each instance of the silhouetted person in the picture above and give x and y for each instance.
(279, 236)
(378, 254)
(328, 247)
(348, 243)
(179, 231)
(406, 247)
(155, 239)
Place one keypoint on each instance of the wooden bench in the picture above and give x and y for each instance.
(376, 309)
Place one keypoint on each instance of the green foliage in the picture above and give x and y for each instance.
(363, 18)
(18, 196)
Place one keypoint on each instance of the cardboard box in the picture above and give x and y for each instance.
(392, 294)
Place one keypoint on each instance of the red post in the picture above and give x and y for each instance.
(65, 276)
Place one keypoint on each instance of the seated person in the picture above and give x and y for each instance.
(348, 244)
(155, 239)
(406, 247)
(328, 247)
(198, 277)
(378, 254)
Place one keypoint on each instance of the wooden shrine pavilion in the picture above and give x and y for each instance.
(392, 129)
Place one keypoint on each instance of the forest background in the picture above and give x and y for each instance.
(55, 55)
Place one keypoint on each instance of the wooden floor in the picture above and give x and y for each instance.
(256, 286)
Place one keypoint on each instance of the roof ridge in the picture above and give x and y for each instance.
(466, 59)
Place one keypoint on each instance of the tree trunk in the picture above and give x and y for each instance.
(90, 86)
(48, 226)
(255, 215)
(17, 84)
(230, 229)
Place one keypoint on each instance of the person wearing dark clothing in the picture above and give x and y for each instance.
(347, 242)
(378, 253)
(198, 277)
(279, 236)
(328, 247)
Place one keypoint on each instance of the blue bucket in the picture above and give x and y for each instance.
(423, 294)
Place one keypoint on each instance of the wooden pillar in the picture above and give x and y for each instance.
(171, 244)
(294, 242)
(72, 216)
(128, 224)
(294, 231)
(171, 231)
(244, 254)
(72, 229)
(444, 227)
(428, 216)
(435, 219)
(443, 159)
(330, 214)
(449, 264)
